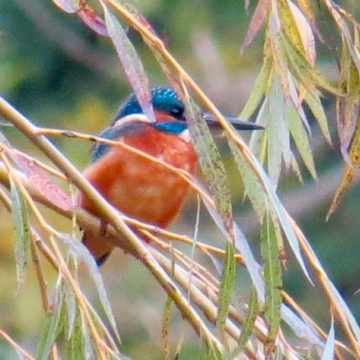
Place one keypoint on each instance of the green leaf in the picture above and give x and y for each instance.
(242, 245)
(304, 73)
(249, 322)
(22, 232)
(226, 288)
(301, 139)
(276, 52)
(261, 190)
(259, 89)
(209, 352)
(295, 168)
(348, 107)
(71, 308)
(211, 164)
(317, 109)
(75, 345)
(278, 133)
(253, 188)
(289, 25)
(259, 139)
(273, 280)
(52, 328)
(80, 251)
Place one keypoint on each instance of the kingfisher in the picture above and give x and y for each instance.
(137, 186)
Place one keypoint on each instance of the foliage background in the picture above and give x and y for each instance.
(59, 73)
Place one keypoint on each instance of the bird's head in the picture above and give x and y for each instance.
(169, 112)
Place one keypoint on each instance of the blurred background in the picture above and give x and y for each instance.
(60, 74)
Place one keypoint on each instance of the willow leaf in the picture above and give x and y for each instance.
(209, 352)
(75, 343)
(226, 288)
(349, 105)
(249, 322)
(305, 32)
(253, 188)
(307, 9)
(265, 192)
(211, 164)
(295, 168)
(277, 51)
(80, 251)
(301, 328)
(278, 132)
(260, 13)
(259, 139)
(130, 61)
(313, 101)
(304, 73)
(329, 350)
(22, 232)
(242, 245)
(51, 330)
(289, 25)
(301, 139)
(273, 281)
(345, 33)
(259, 89)
(69, 6)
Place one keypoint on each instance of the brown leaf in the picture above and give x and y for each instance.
(258, 18)
(42, 183)
(89, 16)
(131, 62)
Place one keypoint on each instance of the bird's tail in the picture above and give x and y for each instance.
(100, 250)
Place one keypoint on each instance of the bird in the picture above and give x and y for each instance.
(134, 185)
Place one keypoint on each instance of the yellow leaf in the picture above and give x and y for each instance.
(306, 33)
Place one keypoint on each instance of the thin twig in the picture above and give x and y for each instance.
(15, 345)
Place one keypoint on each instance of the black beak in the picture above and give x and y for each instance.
(238, 124)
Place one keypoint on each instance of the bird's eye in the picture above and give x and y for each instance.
(177, 112)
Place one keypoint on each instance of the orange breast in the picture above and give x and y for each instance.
(139, 187)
